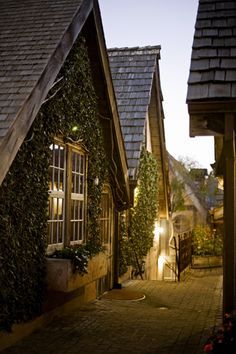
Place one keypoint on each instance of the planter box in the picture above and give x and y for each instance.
(206, 261)
(60, 276)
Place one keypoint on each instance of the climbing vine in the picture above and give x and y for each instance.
(140, 234)
(73, 114)
(24, 192)
(125, 251)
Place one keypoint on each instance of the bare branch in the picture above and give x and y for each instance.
(54, 94)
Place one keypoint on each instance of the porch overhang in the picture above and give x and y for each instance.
(207, 118)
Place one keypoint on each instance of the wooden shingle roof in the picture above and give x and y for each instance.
(132, 72)
(213, 62)
(35, 38)
(29, 34)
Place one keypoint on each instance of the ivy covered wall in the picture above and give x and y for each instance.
(24, 192)
(137, 238)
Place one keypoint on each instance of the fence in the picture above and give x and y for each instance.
(183, 251)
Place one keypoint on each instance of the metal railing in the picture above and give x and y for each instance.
(183, 251)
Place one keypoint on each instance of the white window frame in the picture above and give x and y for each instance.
(69, 196)
(106, 216)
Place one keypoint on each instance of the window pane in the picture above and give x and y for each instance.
(56, 153)
(62, 176)
(60, 232)
(105, 218)
(81, 184)
(57, 188)
(57, 168)
(60, 208)
(82, 165)
(62, 157)
(74, 161)
(51, 174)
(77, 220)
(77, 197)
(56, 198)
(77, 172)
(56, 220)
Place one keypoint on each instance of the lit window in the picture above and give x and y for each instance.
(67, 189)
(77, 197)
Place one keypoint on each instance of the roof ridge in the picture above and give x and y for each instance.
(139, 50)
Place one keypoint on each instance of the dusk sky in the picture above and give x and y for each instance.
(170, 24)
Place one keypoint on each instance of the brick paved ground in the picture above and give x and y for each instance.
(173, 318)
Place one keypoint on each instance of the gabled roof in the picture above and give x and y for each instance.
(213, 63)
(133, 72)
(35, 39)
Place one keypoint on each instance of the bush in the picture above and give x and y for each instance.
(206, 242)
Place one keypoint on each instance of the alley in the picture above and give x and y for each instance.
(173, 318)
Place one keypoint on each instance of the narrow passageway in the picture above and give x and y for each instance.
(173, 318)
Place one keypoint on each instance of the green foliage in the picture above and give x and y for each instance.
(79, 255)
(143, 215)
(92, 247)
(177, 195)
(204, 186)
(24, 192)
(206, 242)
(23, 210)
(125, 249)
(76, 106)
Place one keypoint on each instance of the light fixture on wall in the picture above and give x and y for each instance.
(75, 128)
(96, 181)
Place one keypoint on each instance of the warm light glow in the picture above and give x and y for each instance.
(75, 128)
(57, 207)
(160, 270)
(56, 147)
(158, 230)
(55, 188)
(220, 183)
(161, 261)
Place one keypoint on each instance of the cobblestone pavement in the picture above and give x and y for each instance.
(173, 318)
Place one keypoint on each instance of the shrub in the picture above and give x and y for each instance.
(206, 242)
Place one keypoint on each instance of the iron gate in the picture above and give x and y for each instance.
(183, 251)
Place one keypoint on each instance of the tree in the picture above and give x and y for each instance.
(177, 195)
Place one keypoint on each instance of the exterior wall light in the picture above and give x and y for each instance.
(74, 128)
(96, 181)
